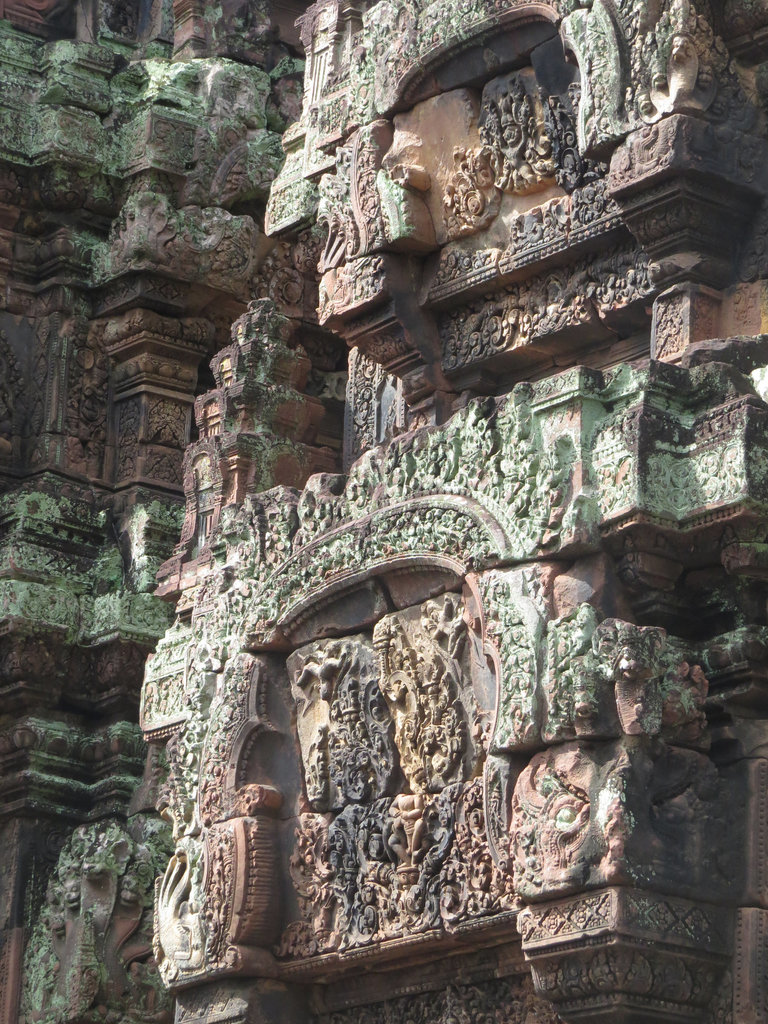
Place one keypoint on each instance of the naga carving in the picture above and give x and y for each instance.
(178, 924)
(217, 906)
(91, 953)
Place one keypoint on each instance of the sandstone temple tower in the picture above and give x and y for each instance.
(384, 512)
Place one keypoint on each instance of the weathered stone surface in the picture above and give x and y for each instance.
(345, 731)
(132, 191)
(98, 914)
(453, 404)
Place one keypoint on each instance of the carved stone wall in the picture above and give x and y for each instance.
(131, 215)
(517, 645)
(515, 748)
(441, 429)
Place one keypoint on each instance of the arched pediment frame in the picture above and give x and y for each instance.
(637, 61)
(442, 50)
(363, 563)
(455, 53)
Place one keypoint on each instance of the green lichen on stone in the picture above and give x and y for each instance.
(77, 964)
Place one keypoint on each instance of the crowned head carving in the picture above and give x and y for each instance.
(627, 812)
(512, 125)
(613, 677)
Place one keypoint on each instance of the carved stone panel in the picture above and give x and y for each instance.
(616, 813)
(393, 869)
(91, 951)
(513, 126)
(437, 153)
(439, 724)
(344, 725)
(375, 410)
(620, 954)
(616, 677)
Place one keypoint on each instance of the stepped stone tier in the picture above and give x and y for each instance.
(384, 512)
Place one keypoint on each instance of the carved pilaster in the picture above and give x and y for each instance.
(154, 372)
(621, 955)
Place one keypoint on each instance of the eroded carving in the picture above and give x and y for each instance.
(618, 813)
(92, 948)
(513, 126)
(343, 723)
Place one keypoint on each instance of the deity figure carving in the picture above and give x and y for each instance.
(620, 822)
(343, 722)
(407, 837)
(434, 710)
(609, 678)
(512, 125)
(392, 730)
